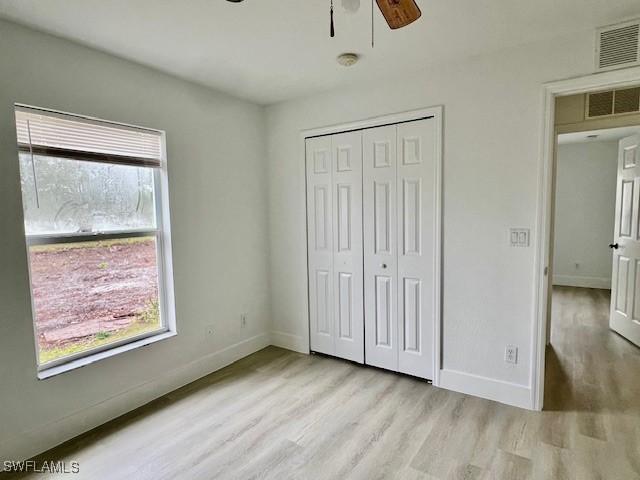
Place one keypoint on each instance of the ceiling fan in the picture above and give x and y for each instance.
(397, 13)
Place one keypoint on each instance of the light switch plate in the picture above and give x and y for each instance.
(519, 237)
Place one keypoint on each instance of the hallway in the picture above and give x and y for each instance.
(589, 367)
(592, 386)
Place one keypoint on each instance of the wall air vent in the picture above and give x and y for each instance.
(618, 46)
(599, 104)
(627, 100)
(612, 102)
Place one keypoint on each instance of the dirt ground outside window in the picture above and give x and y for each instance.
(93, 293)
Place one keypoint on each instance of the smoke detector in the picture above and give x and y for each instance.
(348, 59)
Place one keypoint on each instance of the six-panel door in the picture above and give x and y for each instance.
(416, 186)
(347, 241)
(625, 282)
(380, 247)
(334, 224)
(320, 243)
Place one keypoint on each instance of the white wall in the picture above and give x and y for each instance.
(215, 146)
(584, 213)
(492, 129)
(217, 174)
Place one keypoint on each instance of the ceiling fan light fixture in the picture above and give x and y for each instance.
(348, 59)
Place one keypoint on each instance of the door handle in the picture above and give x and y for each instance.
(384, 265)
(615, 246)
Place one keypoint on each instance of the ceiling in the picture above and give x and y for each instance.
(268, 51)
(605, 135)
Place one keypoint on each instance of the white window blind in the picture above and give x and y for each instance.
(55, 134)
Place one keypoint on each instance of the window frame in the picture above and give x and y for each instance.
(162, 235)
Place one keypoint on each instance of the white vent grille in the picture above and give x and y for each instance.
(613, 102)
(618, 46)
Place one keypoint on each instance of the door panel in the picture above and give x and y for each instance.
(345, 305)
(322, 218)
(323, 301)
(411, 218)
(625, 298)
(622, 285)
(347, 252)
(380, 246)
(382, 217)
(383, 319)
(416, 183)
(626, 208)
(320, 244)
(412, 314)
(636, 300)
(344, 217)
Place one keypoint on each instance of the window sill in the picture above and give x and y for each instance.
(84, 361)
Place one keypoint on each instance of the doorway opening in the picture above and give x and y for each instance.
(593, 309)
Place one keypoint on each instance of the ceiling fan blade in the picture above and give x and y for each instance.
(399, 13)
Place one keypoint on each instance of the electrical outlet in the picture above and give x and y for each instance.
(511, 354)
(243, 320)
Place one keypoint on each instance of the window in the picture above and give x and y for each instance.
(94, 196)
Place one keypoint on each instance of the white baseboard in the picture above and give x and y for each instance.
(580, 281)
(36, 441)
(484, 387)
(290, 342)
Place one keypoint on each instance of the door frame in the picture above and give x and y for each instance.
(546, 197)
(435, 112)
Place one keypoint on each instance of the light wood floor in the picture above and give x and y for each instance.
(283, 415)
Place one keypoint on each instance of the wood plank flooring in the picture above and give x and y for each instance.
(282, 415)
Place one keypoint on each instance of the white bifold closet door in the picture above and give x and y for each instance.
(399, 198)
(371, 223)
(334, 217)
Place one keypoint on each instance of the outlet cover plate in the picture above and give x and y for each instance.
(511, 354)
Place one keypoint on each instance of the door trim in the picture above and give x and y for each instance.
(436, 113)
(541, 286)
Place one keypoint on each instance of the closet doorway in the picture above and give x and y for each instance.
(373, 197)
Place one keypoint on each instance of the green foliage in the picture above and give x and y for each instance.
(55, 247)
(94, 341)
(103, 265)
(151, 313)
